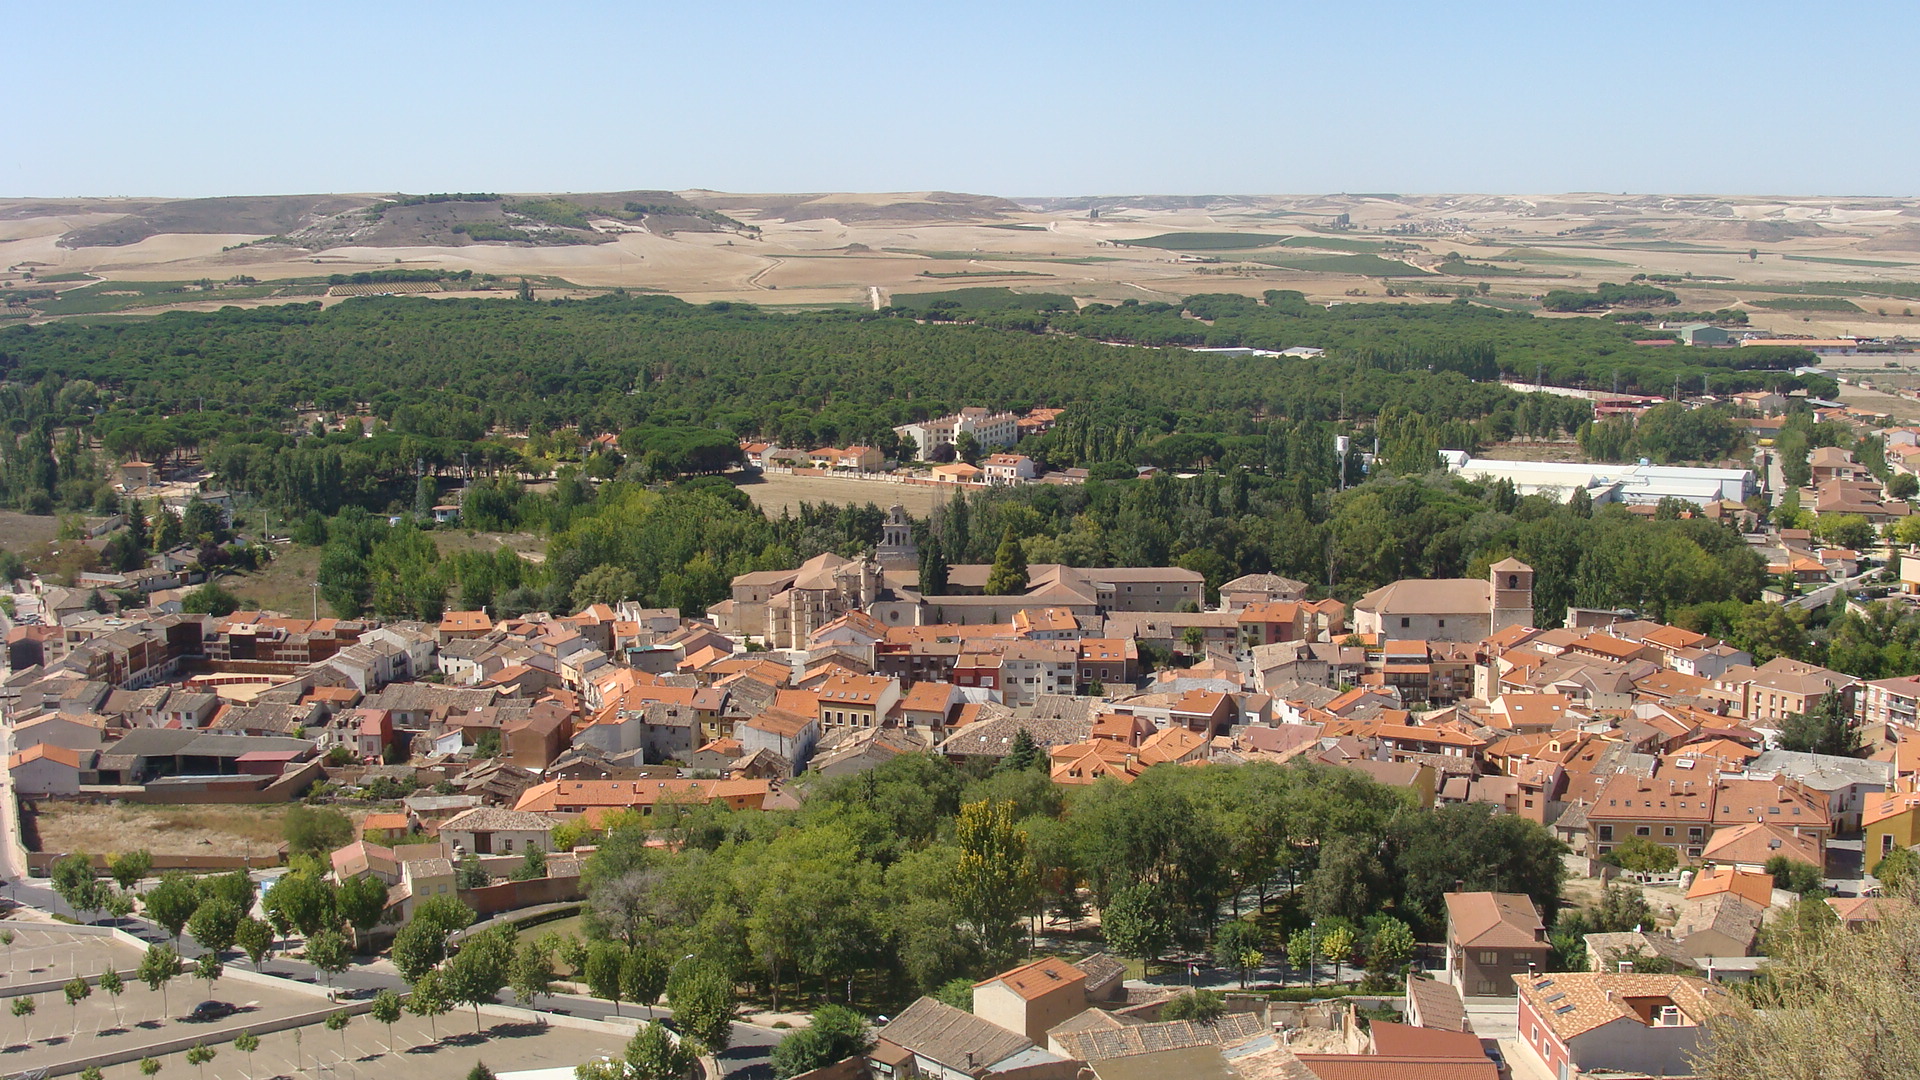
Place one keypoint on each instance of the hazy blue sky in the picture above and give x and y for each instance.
(1030, 98)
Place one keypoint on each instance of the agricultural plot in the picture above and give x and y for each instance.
(1363, 265)
(1207, 241)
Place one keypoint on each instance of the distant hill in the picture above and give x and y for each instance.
(234, 214)
(318, 222)
(903, 207)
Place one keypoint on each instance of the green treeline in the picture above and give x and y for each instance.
(682, 546)
(904, 878)
(1607, 295)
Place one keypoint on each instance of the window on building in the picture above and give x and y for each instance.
(1643, 830)
(1489, 958)
(1606, 832)
(1405, 622)
(1669, 831)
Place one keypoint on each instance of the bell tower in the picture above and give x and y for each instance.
(897, 550)
(1511, 592)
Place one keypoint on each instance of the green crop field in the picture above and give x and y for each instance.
(1207, 241)
(1363, 265)
(1789, 258)
(1808, 303)
(1342, 243)
(1550, 258)
(985, 298)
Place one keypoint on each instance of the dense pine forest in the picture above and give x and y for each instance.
(511, 391)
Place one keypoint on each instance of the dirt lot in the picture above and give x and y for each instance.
(162, 830)
(21, 531)
(776, 492)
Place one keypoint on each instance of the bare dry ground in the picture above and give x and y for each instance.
(162, 830)
(776, 492)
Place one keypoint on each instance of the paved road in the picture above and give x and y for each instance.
(749, 1058)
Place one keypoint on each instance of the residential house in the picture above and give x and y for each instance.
(1435, 1005)
(927, 705)
(1269, 622)
(491, 830)
(789, 734)
(1641, 1025)
(598, 796)
(1719, 924)
(1108, 661)
(1751, 845)
(848, 700)
(75, 731)
(1833, 463)
(535, 740)
(1009, 469)
(1847, 782)
(1892, 820)
(1492, 938)
(1781, 687)
(463, 625)
(47, 769)
(1258, 589)
(372, 733)
(1892, 701)
(1032, 998)
(934, 1040)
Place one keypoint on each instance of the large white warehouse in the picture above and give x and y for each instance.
(1605, 483)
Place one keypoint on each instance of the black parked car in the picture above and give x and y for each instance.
(208, 1011)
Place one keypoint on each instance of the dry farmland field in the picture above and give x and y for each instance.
(775, 492)
(1842, 265)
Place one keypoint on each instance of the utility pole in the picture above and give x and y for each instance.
(316, 601)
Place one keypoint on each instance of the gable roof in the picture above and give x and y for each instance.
(1042, 977)
(1746, 884)
(1496, 920)
(1099, 1044)
(1757, 841)
(959, 1040)
(1438, 1003)
(1439, 596)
